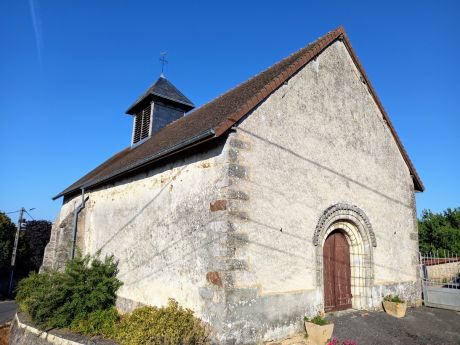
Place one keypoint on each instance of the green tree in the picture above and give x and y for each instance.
(440, 231)
(34, 239)
(7, 233)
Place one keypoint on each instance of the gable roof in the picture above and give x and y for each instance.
(162, 88)
(216, 117)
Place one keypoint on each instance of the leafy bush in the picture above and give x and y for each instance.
(166, 325)
(395, 299)
(99, 322)
(317, 320)
(82, 298)
(55, 299)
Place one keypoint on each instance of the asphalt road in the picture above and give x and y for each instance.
(7, 311)
(420, 326)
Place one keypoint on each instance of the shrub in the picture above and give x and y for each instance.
(82, 298)
(99, 322)
(55, 299)
(395, 299)
(163, 326)
(39, 295)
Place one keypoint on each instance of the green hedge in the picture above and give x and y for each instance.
(82, 298)
(59, 299)
(100, 322)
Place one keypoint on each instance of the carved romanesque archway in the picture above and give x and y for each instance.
(355, 225)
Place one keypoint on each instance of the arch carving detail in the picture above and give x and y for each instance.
(343, 211)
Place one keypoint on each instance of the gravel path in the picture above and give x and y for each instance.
(420, 326)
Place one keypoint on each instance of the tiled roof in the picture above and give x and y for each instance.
(218, 116)
(162, 88)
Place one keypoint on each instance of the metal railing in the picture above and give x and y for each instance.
(440, 275)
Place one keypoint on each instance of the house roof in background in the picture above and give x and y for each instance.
(216, 117)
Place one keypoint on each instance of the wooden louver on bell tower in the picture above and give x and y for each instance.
(142, 124)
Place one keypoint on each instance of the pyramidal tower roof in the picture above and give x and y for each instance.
(164, 90)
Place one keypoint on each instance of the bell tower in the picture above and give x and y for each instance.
(160, 105)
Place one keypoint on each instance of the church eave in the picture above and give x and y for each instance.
(186, 144)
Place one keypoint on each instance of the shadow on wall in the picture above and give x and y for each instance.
(321, 166)
(206, 242)
(186, 158)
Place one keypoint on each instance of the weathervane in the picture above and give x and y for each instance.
(163, 62)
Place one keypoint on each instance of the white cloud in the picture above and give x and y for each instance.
(36, 23)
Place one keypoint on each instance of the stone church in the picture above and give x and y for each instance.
(288, 195)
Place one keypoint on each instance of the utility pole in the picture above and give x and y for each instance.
(15, 248)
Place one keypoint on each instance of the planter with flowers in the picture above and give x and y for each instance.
(394, 306)
(319, 330)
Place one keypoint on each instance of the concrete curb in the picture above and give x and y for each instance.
(51, 338)
(23, 333)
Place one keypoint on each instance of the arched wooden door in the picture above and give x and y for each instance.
(336, 272)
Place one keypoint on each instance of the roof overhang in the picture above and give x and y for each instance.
(186, 144)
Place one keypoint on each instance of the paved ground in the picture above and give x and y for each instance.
(7, 311)
(421, 326)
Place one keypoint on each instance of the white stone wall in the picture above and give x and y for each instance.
(317, 141)
(158, 224)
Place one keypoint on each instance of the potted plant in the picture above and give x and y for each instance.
(394, 306)
(319, 330)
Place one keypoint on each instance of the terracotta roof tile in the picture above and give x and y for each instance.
(216, 117)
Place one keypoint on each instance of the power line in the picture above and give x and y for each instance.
(29, 213)
(33, 208)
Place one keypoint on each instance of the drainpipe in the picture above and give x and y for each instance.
(75, 220)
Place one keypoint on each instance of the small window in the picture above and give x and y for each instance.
(142, 124)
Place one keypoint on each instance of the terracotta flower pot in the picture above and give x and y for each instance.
(396, 309)
(317, 334)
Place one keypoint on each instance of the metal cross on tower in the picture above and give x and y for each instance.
(163, 62)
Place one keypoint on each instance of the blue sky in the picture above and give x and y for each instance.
(70, 69)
